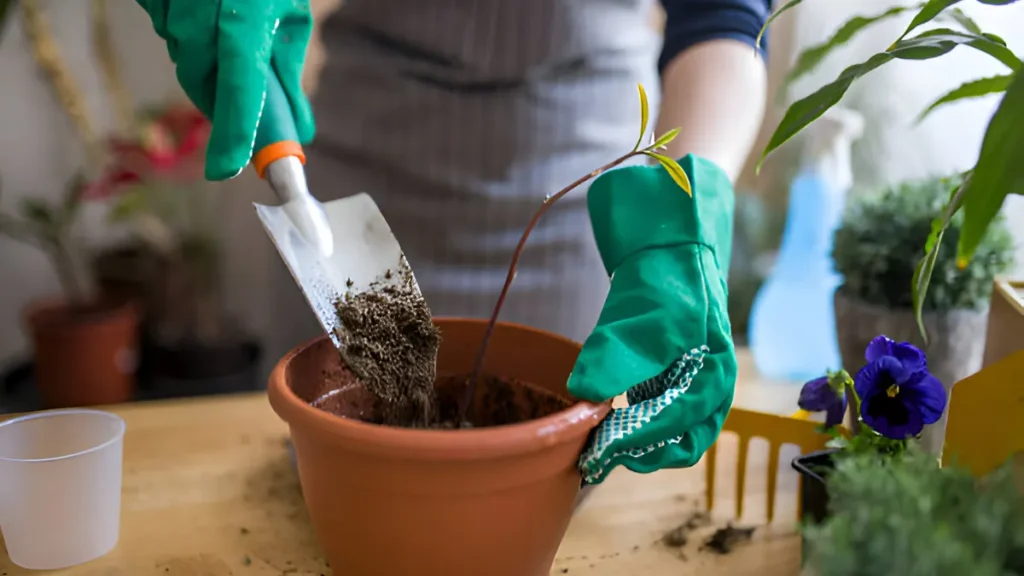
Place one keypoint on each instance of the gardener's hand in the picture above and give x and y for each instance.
(224, 51)
(663, 337)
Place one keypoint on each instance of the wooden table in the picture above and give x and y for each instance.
(209, 491)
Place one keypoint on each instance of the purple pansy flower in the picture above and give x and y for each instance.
(825, 394)
(897, 393)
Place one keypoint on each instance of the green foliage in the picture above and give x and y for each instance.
(878, 244)
(671, 166)
(48, 226)
(908, 517)
(996, 174)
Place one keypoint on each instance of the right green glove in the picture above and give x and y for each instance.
(224, 51)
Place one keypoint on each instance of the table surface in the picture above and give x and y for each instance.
(209, 491)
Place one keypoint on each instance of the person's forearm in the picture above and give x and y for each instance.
(714, 92)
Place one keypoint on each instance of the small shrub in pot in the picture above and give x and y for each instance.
(876, 249)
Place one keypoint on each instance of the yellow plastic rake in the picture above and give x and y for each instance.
(777, 430)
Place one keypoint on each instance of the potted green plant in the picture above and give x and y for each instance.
(154, 176)
(890, 401)
(473, 438)
(910, 517)
(980, 194)
(875, 250)
(85, 346)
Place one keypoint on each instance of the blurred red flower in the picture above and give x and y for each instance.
(167, 147)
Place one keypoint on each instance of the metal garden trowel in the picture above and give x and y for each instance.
(331, 249)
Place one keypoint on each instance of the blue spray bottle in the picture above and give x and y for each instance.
(792, 322)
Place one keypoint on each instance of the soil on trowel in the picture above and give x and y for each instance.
(391, 344)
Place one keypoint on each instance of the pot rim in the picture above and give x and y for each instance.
(472, 444)
(106, 311)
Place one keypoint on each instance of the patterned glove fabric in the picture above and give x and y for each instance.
(224, 51)
(663, 336)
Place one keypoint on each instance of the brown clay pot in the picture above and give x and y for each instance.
(84, 356)
(491, 501)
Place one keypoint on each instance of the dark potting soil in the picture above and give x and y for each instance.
(391, 344)
(726, 539)
(496, 402)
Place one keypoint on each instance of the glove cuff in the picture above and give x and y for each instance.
(640, 207)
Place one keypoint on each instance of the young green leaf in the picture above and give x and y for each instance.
(37, 212)
(785, 8)
(998, 172)
(645, 112)
(972, 89)
(674, 170)
(664, 139)
(127, 205)
(811, 57)
(929, 11)
(924, 269)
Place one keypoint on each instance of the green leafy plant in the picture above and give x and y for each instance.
(878, 245)
(48, 226)
(908, 516)
(997, 173)
(653, 150)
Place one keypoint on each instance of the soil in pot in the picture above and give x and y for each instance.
(84, 355)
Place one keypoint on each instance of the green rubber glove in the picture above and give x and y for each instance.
(224, 51)
(663, 336)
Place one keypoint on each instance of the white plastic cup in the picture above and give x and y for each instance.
(60, 487)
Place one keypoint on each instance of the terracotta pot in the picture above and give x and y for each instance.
(492, 501)
(84, 356)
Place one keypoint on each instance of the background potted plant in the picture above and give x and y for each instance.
(191, 346)
(890, 401)
(85, 346)
(875, 251)
(980, 194)
(910, 517)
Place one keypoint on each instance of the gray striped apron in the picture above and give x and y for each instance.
(458, 117)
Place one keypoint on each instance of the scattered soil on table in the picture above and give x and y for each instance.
(391, 344)
(726, 539)
(680, 535)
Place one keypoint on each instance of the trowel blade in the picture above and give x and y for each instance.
(365, 251)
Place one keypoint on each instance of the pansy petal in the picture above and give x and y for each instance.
(816, 395)
(834, 414)
(911, 356)
(878, 347)
(876, 376)
(879, 414)
(913, 427)
(926, 396)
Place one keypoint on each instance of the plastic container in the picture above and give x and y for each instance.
(792, 321)
(60, 487)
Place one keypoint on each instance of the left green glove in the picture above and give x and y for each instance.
(663, 336)
(224, 51)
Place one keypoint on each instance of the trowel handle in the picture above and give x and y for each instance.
(276, 136)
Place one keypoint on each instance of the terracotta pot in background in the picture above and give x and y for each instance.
(490, 501)
(84, 356)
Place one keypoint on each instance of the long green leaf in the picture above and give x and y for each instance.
(645, 113)
(997, 2)
(925, 46)
(999, 170)
(665, 138)
(811, 57)
(940, 41)
(930, 10)
(806, 110)
(923, 271)
(957, 15)
(785, 8)
(972, 89)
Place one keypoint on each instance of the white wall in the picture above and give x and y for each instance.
(38, 153)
